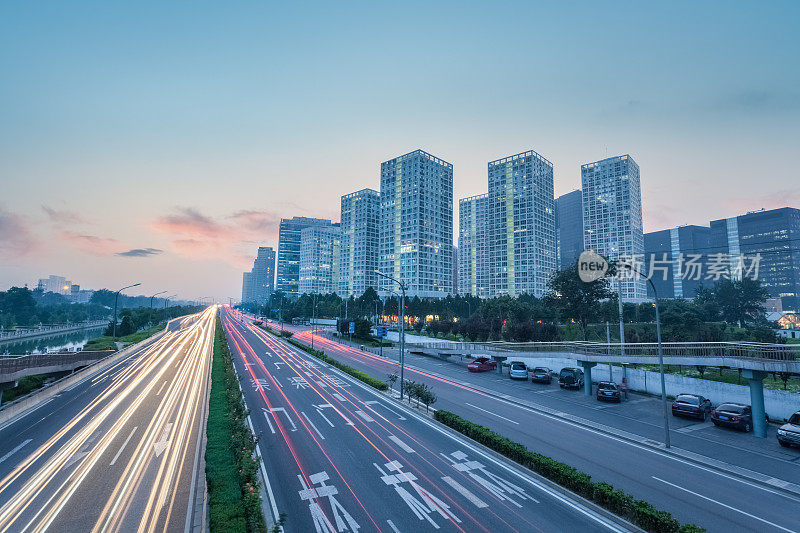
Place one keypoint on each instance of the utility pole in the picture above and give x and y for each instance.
(313, 319)
(402, 327)
(116, 298)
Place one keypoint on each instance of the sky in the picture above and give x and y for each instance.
(161, 142)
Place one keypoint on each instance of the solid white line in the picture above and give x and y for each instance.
(394, 527)
(491, 413)
(268, 486)
(161, 388)
(405, 447)
(339, 397)
(465, 492)
(266, 415)
(724, 505)
(312, 424)
(15, 450)
(114, 460)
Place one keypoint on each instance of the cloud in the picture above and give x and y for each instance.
(63, 216)
(90, 244)
(257, 221)
(189, 221)
(16, 238)
(141, 252)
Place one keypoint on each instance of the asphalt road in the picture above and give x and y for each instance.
(340, 456)
(119, 451)
(691, 492)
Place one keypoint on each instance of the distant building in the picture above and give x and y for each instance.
(288, 275)
(56, 284)
(455, 269)
(612, 216)
(473, 246)
(522, 242)
(774, 237)
(259, 284)
(248, 294)
(676, 260)
(416, 229)
(569, 228)
(359, 250)
(319, 259)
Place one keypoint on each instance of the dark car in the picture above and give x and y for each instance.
(735, 415)
(789, 433)
(608, 391)
(570, 378)
(691, 405)
(541, 374)
(482, 364)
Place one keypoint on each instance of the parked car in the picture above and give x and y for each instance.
(691, 405)
(789, 433)
(518, 370)
(570, 378)
(482, 364)
(734, 415)
(608, 390)
(541, 374)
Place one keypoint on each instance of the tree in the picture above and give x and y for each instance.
(576, 299)
(391, 379)
(739, 301)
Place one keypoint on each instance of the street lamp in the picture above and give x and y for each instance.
(660, 354)
(402, 326)
(116, 299)
(151, 306)
(166, 300)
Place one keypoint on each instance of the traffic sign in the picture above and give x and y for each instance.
(380, 332)
(352, 327)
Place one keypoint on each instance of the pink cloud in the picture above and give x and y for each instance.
(63, 216)
(90, 244)
(16, 238)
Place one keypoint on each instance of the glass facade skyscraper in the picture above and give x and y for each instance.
(288, 277)
(359, 251)
(569, 228)
(416, 228)
(612, 216)
(259, 283)
(319, 259)
(668, 259)
(473, 242)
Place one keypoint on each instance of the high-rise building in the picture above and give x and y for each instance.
(248, 295)
(569, 228)
(416, 229)
(522, 247)
(288, 276)
(56, 284)
(676, 260)
(473, 245)
(319, 259)
(359, 250)
(612, 216)
(259, 283)
(771, 236)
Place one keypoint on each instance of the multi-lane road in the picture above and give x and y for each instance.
(548, 421)
(339, 456)
(119, 451)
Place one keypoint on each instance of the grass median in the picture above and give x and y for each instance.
(231, 469)
(107, 342)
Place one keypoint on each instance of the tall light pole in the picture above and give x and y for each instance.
(166, 300)
(402, 327)
(116, 299)
(660, 355)
(151, 306)
(313, 319)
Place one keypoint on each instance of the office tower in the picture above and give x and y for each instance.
(416, 229)
(612, 217)
(522, 246)
(359, 250)
(289, 252)
(259, 283)
(569, 229)
(56, 284)
(675, 260)
(774, 237)
(248, 295)
(319, 259)
(455, 269)
(473, 243)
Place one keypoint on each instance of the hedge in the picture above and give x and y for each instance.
(319, 354)
(617, 501)
(231, 470)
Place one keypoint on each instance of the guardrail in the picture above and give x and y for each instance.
(47, 330)
(10, 366)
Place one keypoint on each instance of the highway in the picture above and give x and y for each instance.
(540, 418)
(340, 456)
(119, 451)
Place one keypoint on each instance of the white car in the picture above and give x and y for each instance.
(518, 370)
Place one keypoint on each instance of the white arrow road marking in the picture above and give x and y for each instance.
(114, 460)
(465, 492)
(266, 415)
(403, 446)
(163, 442)
(15, 450)
(344, 520)
(376, 402)
(325, 405)
(312, 424)
(283, 410)
(319, 410)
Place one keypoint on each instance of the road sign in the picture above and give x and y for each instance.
(352, 327)
(380, 332)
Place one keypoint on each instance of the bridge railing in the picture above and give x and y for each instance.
(28, 332)
(10, 365)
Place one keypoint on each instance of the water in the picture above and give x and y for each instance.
(60, 341)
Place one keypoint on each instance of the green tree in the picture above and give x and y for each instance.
(576, 299)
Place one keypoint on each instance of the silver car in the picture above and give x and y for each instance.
(518, 370)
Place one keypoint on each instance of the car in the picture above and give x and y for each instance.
(789, 433)
(541, 374)
(608, 390)
(692, 406)
(518, 370)
(570, 378)
(482, 364)
(736, 415)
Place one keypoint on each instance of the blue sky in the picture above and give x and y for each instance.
(192, 127)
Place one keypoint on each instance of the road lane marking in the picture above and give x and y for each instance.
(161, 388)
(405, 447)
(114, 460)
(273, 410)
(15, 450)
(312, 424)
(693, 427)
(339, 397)
(724, 505)
(394, 527)
(319, 410)
(364, 416)
(163, 441)
(370, 403)
(491, 413)
(465, 492)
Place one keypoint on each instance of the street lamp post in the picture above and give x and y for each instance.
(313, 319)
(402, 327)
(166, 300)
(116, 299)
(660, 356)
(151, 306)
